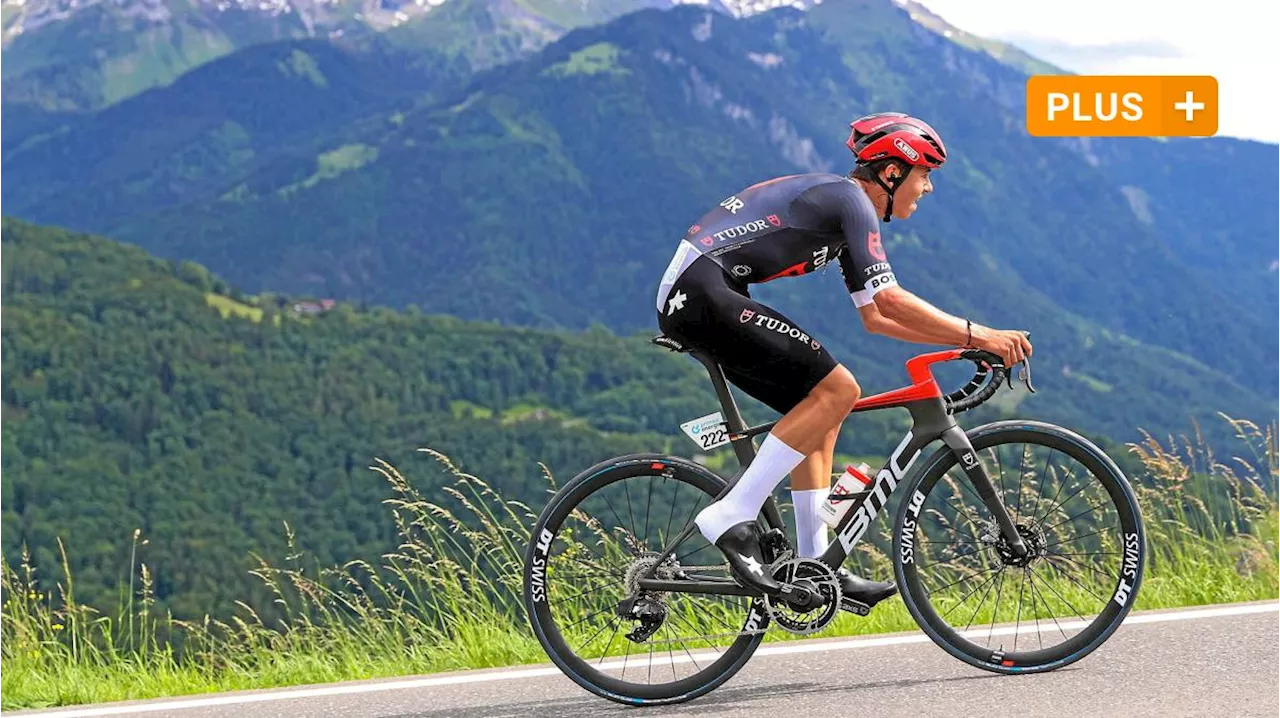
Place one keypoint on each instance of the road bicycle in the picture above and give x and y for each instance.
(1057, 530)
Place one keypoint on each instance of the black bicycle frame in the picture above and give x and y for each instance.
(930, 421)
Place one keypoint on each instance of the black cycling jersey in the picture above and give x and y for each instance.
(788, 227)
(785, 227)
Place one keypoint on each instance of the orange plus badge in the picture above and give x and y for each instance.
(1122, 106)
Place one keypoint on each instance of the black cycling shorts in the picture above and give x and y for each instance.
(762, 352)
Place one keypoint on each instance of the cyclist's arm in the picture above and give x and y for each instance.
(885, 307)
(897, 313)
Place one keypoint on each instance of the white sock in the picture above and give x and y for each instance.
(744, 500)
(811, 531)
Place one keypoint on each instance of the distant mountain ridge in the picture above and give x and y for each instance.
(550, 192)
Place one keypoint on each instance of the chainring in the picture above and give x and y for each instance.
(815, 576)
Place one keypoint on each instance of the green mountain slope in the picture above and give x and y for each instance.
(580, 160)
(137, 397)
(187, 141)
(550, 192)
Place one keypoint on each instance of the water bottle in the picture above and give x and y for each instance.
(845, 492)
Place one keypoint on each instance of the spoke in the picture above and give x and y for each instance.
(590, 615)
(1031, 574)
(649, 676)
(1022, 470)
(1077, 582)
(608, 503)
(1017, 628)
(970, 519)
(626, 643)
(983, 601)
(594, 636)
(713, 614)
(596, 569)
(1091, 508)
(670, 645)
(965, 578)
(1044, 468)
(632, 526)
(1000, 468)
(703, 636)
(606, 648)
(1058, 505)
(1080, 536)
(995, 611)
(1061, 483)
(964, 484)
(967, 595)
(956, 558)
(579, 595)
(648, 503)
(671, 514)
(1062, 598)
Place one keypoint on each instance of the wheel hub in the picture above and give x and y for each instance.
(1031, 535)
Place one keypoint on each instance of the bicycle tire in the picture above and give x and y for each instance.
(1133, 560)
(545, 628)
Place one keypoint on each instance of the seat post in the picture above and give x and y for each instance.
(744, 448)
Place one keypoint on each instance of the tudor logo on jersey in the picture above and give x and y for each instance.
(774, 220)
(874, 246)
(746, 315)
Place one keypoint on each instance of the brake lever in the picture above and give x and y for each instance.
(1026, 370)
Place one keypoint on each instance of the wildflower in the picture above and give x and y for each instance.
(57, 626)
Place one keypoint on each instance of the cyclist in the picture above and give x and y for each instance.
(788, 227)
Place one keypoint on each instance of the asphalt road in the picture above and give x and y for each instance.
(1219, 661)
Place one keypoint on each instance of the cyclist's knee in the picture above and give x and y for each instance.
(839, 389)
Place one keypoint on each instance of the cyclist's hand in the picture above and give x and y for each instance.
(1009, 344)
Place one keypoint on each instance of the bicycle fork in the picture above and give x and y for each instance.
(959, 443)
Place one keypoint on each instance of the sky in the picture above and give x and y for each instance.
(1235, 42)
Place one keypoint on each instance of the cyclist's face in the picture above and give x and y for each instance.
(916, 186)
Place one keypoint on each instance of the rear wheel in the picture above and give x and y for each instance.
(590, 544)
(992, 609)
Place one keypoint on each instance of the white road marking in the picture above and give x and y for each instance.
(768, 650)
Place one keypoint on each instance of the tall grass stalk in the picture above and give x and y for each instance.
(449, 595)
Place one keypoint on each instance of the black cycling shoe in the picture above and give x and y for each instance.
(740, 544)
(859, 594)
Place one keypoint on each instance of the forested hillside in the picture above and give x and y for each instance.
(138, 397)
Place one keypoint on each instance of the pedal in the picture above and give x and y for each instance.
(853, 606)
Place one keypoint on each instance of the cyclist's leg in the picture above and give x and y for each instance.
(773, 360)
(810, 485)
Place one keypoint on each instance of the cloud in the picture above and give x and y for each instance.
(1089, 55)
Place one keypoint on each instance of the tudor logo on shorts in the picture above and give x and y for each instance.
(780, 327)
(774, 220)
(746, 316)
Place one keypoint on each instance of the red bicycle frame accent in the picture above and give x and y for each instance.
(923, 385)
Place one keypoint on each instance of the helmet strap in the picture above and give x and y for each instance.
(890, 187)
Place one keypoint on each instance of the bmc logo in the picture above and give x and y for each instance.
(886, 481)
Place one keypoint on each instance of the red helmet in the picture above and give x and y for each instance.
(895, 134)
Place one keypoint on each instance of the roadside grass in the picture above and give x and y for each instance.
(450, 596)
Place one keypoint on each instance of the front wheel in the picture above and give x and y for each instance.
(1001, 612)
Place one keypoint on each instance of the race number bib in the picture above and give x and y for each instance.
(708, 432)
